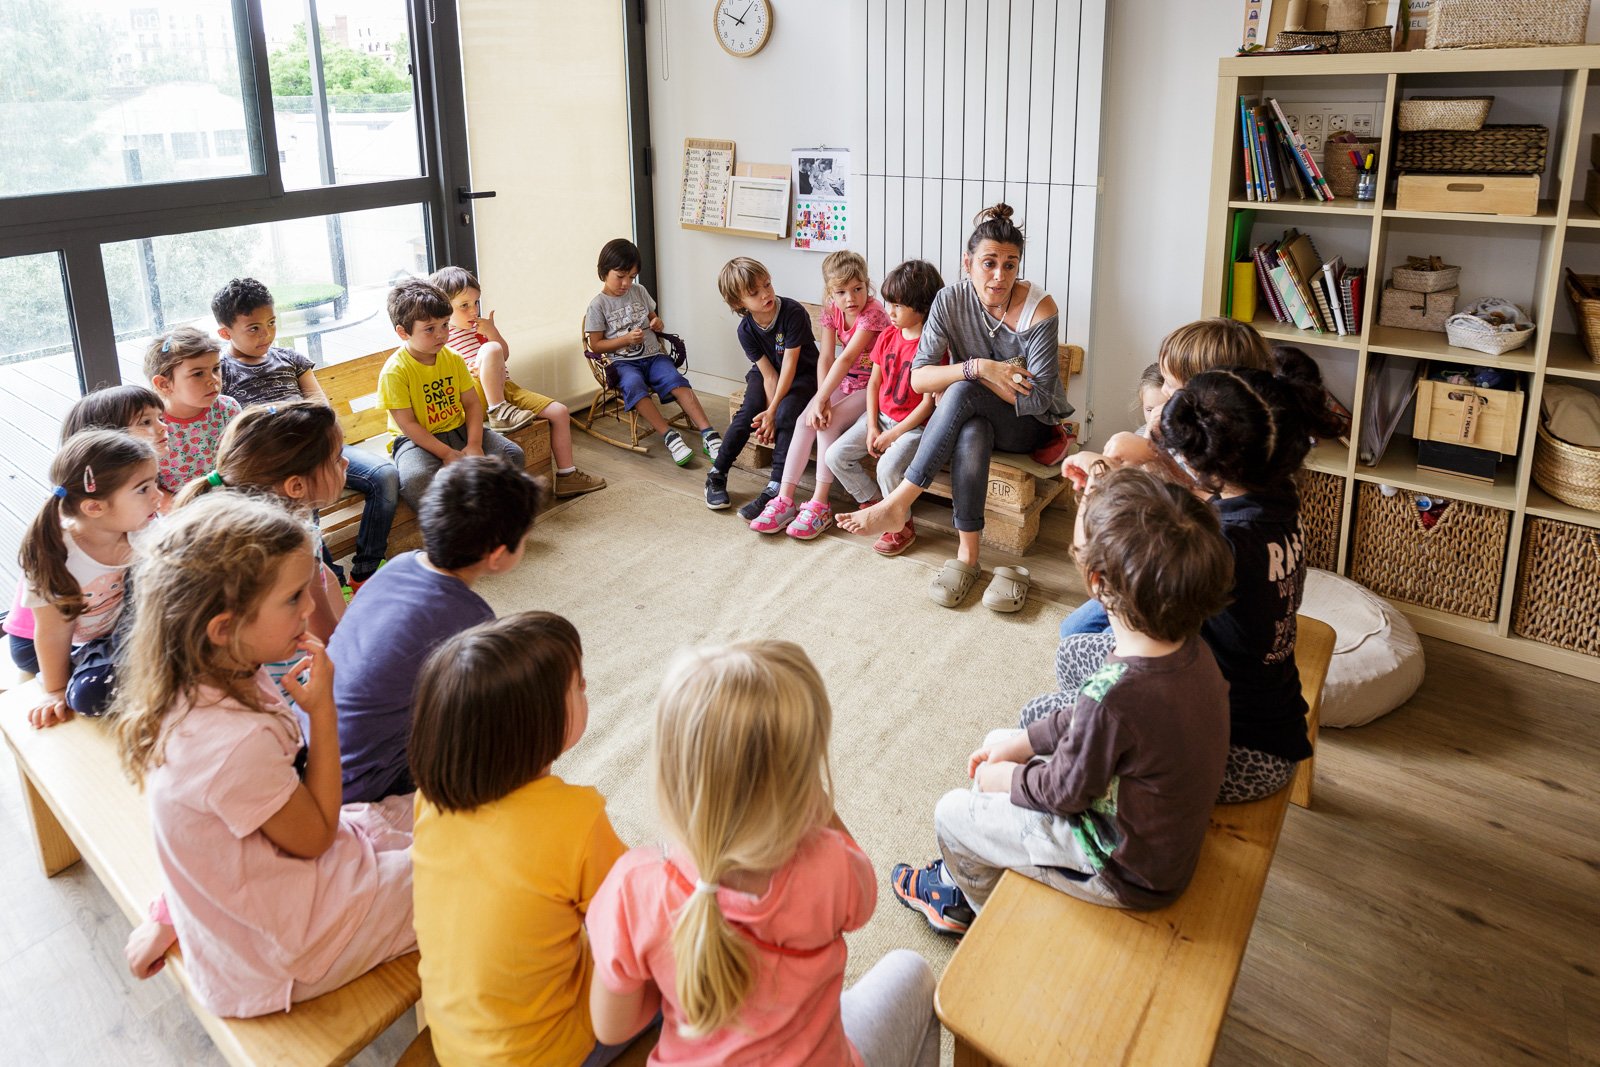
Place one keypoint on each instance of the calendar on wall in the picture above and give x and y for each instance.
(822, 198)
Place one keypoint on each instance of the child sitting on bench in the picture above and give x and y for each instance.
(1108, 798)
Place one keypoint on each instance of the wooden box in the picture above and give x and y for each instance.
(1416, 311)
(1490, 419)
(1482, 194)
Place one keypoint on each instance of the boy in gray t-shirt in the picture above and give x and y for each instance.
(621, 323)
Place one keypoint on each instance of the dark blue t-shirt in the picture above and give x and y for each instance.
(404, 611)
(791, 328)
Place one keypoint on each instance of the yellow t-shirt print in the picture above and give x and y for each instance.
(434, 394)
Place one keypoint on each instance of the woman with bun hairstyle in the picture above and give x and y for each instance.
(1002, 389)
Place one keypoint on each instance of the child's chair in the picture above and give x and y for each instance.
(607, 403)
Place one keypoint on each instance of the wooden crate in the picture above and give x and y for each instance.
(1490, 419)
(1484, 194)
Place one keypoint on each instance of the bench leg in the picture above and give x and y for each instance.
(967, 1056)
(1300, 785)
(56, 850)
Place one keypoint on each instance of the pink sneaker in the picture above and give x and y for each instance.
(813, 518)
(778, 513)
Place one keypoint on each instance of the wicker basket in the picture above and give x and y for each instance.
(1336, 165)
(1567, 472)
(1444, 112)
(1558, 586)
(1469, 331)
(1583, 290)
(1426, 281)
(1491, 150)
(1454, 567)
(1321, 502)
(1507, 23)
(1371, 39)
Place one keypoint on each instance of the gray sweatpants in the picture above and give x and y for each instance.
(845, 456)
(418, 466)
(982, 835)
(888, 1014)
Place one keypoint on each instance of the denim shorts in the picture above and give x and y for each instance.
(638, 378)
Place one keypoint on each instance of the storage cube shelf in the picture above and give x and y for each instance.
(1519, 257)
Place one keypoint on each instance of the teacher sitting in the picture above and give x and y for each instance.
(1002, 389)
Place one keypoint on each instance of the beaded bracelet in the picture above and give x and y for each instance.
(969, 370)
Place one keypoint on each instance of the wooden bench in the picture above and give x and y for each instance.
(80, 805)
(352, 388)
(1043, 978)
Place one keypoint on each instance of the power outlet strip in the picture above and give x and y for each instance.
(1316, 121)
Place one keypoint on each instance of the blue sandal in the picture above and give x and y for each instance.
(926, 892)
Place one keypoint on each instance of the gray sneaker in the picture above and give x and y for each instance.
(506, 416)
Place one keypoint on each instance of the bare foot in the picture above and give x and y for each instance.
(147, 947)
(880, 518)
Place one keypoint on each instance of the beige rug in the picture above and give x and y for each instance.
(641, 571)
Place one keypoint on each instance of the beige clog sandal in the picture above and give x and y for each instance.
(1008, 591)
(952, 584)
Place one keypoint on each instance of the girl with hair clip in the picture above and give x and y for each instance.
(505, 966)
(851, 317)
(132, 408)
(735, 930)
(75, 558)
(1242, 434)
(277, 893)
(294, 451)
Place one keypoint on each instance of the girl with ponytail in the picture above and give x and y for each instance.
(735, 930)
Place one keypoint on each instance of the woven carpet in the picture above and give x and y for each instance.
(641, 571)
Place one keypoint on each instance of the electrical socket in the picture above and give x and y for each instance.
(1313, 141)
(1313, 122)
(1361, 125)
(1316, 120)
(1338, 121)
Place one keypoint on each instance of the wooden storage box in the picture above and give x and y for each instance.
(1416, 311)
(1454, 567)
(1480, 194)
(1558, 586)
(1490, 419)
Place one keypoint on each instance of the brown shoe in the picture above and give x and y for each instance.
(577, 483)
(505, 417)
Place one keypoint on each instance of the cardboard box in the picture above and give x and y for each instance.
(1489, 420)
(1479, 194)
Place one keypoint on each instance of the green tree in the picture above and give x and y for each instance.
(345, 71)
(54, 76)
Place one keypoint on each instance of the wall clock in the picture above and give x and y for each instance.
(742, 26)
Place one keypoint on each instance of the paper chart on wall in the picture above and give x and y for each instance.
(707, 171)
(822, 198)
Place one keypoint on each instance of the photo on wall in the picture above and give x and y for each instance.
(822, 197)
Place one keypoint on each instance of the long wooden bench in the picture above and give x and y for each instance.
(1043, 978)
(352, 388)
(81, 806)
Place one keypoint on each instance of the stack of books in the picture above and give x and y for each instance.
(1305, 292)
(1276, 159)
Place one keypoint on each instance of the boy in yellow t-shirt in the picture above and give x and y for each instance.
(434, 410)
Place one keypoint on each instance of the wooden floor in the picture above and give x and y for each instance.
(1440, 903)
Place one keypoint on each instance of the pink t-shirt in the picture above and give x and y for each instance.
(192, 443)
(19, 620)
(873, 319)
(465, 343)
(792, 1014)
(103, 586)
(252, 919)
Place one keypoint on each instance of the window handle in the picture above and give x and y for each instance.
(464, 194)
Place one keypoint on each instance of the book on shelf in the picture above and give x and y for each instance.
(1328, 290)
(1301, 290)
(1276, 159)
(1247, 143)
(1299, 257)
(1350, 293)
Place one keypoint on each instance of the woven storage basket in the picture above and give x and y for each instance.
(1506, 23)
(1454, 567)
(1371, 39)
(1567, 472)
(1466, 331)
(1321, 501)
(1444, 112)
(1558, 586)
(1491, 150)
(1336, 165)
(1583, 290)
(1426, 281)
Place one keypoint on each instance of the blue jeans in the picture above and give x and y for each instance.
(964, 431)
(638, 378)
(1090, 618)
(378, 480)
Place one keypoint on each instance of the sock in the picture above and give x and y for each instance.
(709, 431)
(772, 489)
(944, 874)
(567, 470)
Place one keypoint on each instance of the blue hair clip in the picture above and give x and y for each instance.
(59, 491)
(166, 345)
(272, 409)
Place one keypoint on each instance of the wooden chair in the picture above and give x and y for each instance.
(1043, 978)
(607, 402)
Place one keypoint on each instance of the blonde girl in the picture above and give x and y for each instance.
(734, 930)
(293, 450)
(75, 559)
(852, 317)
(276, 892)
(505, 966)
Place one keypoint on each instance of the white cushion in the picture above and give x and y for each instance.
(1377, 658)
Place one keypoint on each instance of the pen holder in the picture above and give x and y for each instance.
(1367, 185)
(1343, 176)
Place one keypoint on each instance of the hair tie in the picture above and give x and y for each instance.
(88, 479)
(214, 479)
(59, 491)
(708, 888)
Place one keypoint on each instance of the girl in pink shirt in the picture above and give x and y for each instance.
(277, 893)
(735, 930)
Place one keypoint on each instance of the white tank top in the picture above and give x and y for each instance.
(1036, 295)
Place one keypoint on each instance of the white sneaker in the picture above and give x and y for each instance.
(680, 451)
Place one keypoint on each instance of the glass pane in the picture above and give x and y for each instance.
(97, 94)
(329, 275)
(366, 71)
(38, 385)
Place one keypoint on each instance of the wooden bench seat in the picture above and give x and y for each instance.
(80, 805)
(1043, 978)
(352, 388)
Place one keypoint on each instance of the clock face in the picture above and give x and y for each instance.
(742, 26)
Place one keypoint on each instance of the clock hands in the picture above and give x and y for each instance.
(740, 17)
